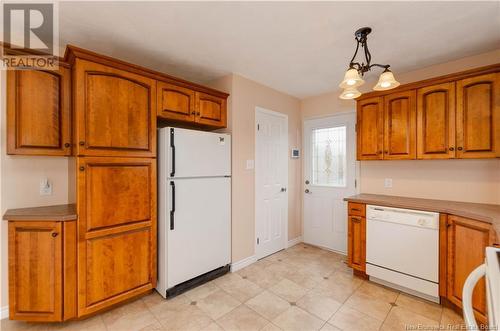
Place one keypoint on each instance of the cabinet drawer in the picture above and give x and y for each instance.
(356, 209)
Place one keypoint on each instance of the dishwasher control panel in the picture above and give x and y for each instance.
(410, 217)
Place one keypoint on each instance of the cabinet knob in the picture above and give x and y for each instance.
(452, 149)
(192, 113)
(380, 152)
(386, 152)
(81, 143)
(54, 234)
(67, 145)
(82, 168)
(197, 113)
(459, 148)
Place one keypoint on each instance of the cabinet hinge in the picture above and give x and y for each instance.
(356, 127)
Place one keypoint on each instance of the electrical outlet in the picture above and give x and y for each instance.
(388, 182)
(45, 186)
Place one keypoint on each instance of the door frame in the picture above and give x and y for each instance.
(357, 163)
(265, 111)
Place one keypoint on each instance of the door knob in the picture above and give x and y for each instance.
(307, 190)
(283, 189)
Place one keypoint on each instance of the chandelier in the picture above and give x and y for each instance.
(353, 76)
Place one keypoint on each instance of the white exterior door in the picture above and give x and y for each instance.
(271, 182)
(330, 173)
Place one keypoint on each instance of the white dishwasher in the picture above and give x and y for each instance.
(402, 250)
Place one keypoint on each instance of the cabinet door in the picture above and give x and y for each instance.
(211, 110)
(478, 117)
(400, 126)
(38, 112)
(370, 129)
(175, 103)
(35, 271)
(115, 111)
(117, 230)
(436, 121)
(467, 240)
(357, 243)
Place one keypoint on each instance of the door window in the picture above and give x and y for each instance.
(329, 156)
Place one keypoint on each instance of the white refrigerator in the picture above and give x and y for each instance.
(194, 199)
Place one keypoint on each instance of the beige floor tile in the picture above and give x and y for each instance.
(213, 327)
(242, 318)
(133, 316)
(329, 327)
(347, 318)
(241, 289)
(189, 318)
(90, 324)
(378, 291)
(8, 325)
(420, 306)
(278, 269)
(217, 304)
(304, 277)
(156, 326)
(263, 278)
(369, 305)
(402, 318)
(161, 307)
(270, 327)
(268, 305)
(202, 291)
(452, 320)
(289, 290)
(319, 304)
(295, 318)
(339, 285)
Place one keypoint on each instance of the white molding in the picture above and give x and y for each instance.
(4, 312)
(294, 242)
(235, 266)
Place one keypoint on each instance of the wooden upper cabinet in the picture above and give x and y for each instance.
(211, 110)
(175, 102)
(478, 116)
(38, 112)
(467, 240)
(400, 126)
(115, 111)
(35, 271)
(117, 230)
(370, 129)
(436, 121)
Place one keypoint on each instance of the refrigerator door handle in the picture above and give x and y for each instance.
(172, 209)
(172, 146)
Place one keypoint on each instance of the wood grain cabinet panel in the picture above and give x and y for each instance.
(115, 111)
(436, 121)
(357, 243)
(176, 103)
(370, 129)
(400, 126)
(210, 110)
(38, 112)
(467, 240)
(478, 116)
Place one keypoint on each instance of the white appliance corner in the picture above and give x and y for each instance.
(294, 242)
(238, 265)
(4, 312)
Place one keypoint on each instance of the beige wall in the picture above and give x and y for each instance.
(20, 182)
(462, 180)
(245, 96)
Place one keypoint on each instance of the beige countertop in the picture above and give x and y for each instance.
(46, 213)
(478, 211)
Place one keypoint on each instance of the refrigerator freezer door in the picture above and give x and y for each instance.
(195, 153)
(198, 236)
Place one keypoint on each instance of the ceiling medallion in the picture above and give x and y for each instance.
(353, 76)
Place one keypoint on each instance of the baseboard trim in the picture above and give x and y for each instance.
(235, 266)
(294, 242)
(4, 312)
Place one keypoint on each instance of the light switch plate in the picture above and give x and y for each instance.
(250, 164)
(388, 182)
(45, 186)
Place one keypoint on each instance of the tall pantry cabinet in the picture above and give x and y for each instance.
(115, 184)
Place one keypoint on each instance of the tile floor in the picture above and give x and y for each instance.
(301, 288)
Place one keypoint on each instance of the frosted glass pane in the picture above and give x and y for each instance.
(329, 156)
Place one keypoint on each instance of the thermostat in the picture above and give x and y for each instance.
(295, 153)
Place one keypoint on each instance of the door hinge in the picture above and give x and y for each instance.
(356, 127)
(258, 127)
(258, 241)
(355, 183)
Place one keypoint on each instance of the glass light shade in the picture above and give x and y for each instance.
(351, 79)
(350, 93)
(386, 81)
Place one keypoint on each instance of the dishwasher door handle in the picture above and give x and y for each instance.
(470, 283)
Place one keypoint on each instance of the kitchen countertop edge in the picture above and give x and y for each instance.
(57, 213)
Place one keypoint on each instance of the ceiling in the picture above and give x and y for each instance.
(301, 48)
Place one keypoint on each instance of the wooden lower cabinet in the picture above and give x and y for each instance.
(42, 270)
(467, 240)
(356, 236)
(117, 230)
